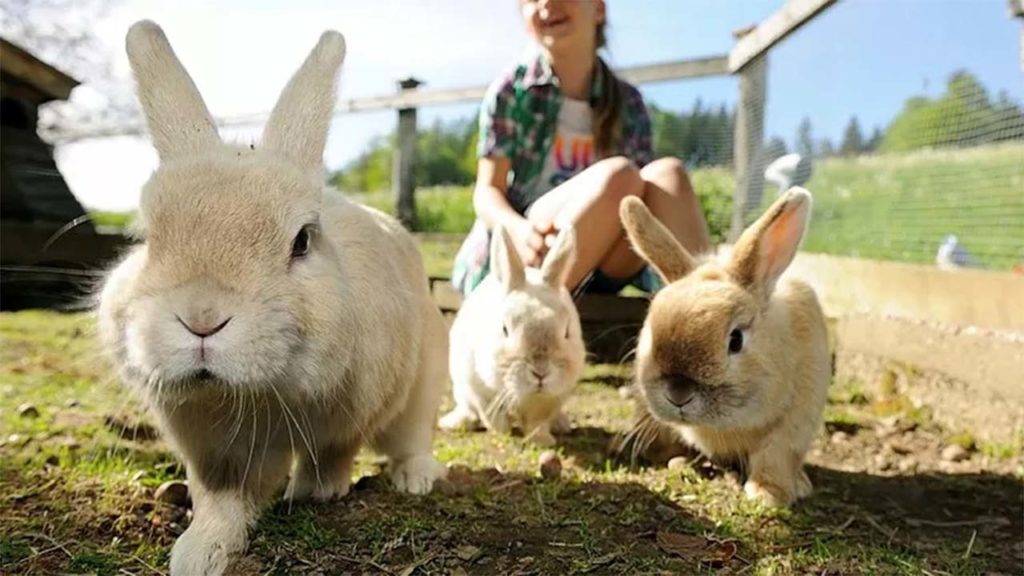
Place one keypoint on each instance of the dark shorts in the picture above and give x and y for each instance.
(599, 283)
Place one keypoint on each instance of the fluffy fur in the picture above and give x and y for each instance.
(760, 404)
(517, 346)
(260, 358)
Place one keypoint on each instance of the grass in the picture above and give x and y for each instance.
(76, 493)
(902, 207)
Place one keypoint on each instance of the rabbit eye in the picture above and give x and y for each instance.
(504, 330)
(300, 246)
(735, 341)
(566, 331)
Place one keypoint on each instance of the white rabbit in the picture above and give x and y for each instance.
(270, 327)
(733, 359)
(516, 344)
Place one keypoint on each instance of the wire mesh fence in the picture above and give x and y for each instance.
(927, 173)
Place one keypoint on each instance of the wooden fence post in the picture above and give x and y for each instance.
(748, 138)
(403, 181)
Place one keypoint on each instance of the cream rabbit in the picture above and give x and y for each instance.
(737, 365)
(270, 327)
(517, 345)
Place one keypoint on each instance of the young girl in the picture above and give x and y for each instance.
(562, 142)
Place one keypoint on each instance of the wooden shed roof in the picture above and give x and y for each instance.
(36, 79)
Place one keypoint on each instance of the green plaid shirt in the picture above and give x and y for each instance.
(518, 120)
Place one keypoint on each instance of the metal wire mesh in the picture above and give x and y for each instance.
(937, 180)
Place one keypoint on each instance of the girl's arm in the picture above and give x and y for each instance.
(490, 200)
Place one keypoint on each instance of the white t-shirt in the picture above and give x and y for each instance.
(572, 149)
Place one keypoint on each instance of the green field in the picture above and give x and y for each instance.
(902, 207)
(896, 207)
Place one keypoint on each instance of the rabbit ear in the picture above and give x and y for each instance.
(560, 258)
(298, 125)
(764, 251)
(505, 261)
(179, 122)
(653, 242)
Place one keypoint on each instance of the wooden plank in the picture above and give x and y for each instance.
(792, 15)
(676, 70)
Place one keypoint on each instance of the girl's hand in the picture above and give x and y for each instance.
(529, 242)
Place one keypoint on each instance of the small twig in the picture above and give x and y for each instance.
(42, 552)
(970, 545)
(412, 567)
(510, 484)
(565, 545)
(370, 562)
(147, 565)
(794, 546)
(846, 524)
(56, 544)
(874, 524)
(954, 523)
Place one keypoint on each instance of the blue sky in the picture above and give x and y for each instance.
(862, 57)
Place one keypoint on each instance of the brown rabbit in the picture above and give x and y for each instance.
(732, 359)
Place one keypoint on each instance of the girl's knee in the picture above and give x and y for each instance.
(622, 178)
(664, 168)
(669, 174)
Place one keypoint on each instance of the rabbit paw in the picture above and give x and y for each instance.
(561, 424)
(320, 491)
(200, 554)
(772, 495)
(803, 485)
(416, 475)
(542, 437)
(459, 419)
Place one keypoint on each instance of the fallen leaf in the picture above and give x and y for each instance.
(718, 554)
(690, 547)
(686, 546)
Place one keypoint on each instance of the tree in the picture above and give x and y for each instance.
(805, 138)
(853, 139)
(700, 137)
(774, 149)
(445, 155)
(875, 141)
(963, 116)
(825, 148)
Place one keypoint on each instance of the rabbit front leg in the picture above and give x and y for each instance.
(219, 530)
(561, 424)
(776, 474)
(539, 416)
(408, 441)
(327, 477)
(465, 415)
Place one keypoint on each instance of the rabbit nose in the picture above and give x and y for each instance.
(680, 390)
(539, 375)
(202, 329)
